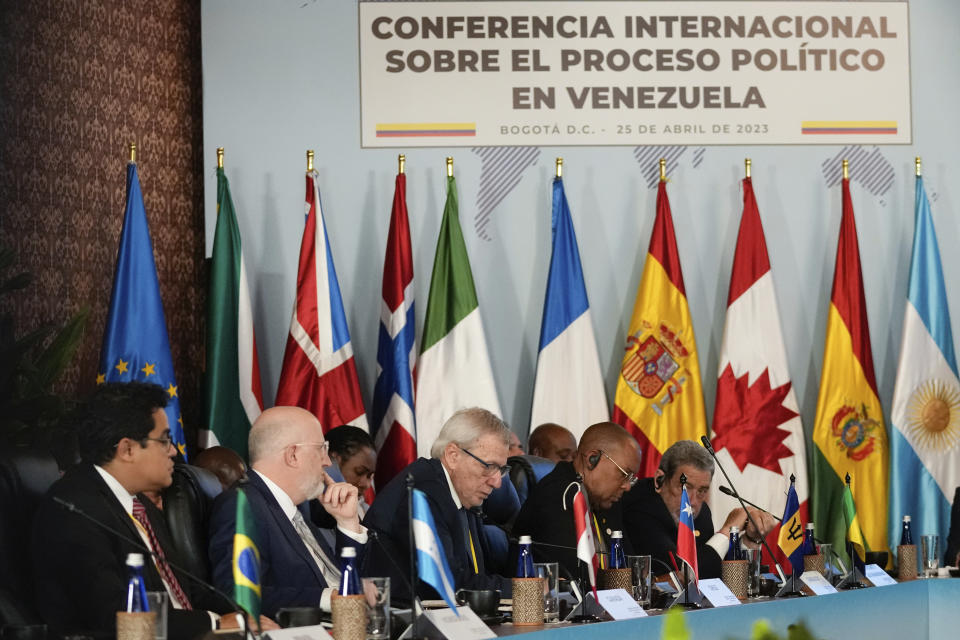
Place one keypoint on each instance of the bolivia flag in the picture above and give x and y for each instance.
(232, 388)
(454, 370)
(848, 434)
(659, 396)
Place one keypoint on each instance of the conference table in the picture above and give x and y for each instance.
(912, 610)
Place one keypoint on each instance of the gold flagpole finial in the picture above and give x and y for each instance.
(219, 157)
(663, 169)
(133, 152)
(559, 167)
(746, 166)
(449, 167)
(309, 160)
(846, 169)
(917, 164)
(401, 161)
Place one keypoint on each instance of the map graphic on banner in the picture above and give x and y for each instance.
(625, 73)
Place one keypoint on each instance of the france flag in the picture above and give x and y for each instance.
(925, 433)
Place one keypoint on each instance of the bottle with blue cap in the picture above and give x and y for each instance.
(617, 558)
(525, 558)
(349, 578)
(136, 589)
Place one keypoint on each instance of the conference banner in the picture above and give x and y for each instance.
(633, 73)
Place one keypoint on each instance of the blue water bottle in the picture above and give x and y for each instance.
(136, 590)
(349, 578)
(617, 559)
(906, 533)
(809, 541)
(525, 558)
(733, 552)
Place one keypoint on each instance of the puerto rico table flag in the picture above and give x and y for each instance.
(568, 389)
(925, 418)
(319, 373)
(849, 435)
(790, 536)
(757, 432)
(234, 398)
(659, 397)
(454, 369)
(135, 343)
(246, 560)
(686, 540)
(432, 565)
(392, 415)
(586, 547)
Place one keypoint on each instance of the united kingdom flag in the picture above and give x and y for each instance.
(318, 372)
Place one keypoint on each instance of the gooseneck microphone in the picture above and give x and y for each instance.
(72, 508)
(736, 494)
(726, 491)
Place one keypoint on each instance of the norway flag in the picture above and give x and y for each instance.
(318, 372)
(686, 542)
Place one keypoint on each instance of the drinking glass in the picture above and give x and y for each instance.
(930, 544)
(159, 602)
(377, 591)
(549, 572)
(753, 557)
(640, 578)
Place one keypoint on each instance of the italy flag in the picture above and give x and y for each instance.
(924, 466)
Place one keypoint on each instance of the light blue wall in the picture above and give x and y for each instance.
(280, 77)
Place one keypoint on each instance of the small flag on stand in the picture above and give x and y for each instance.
(135, 343)
(790, 539)
(686, 540)
(246, 560)
(432, 565)
(586, 547)
(854, 535)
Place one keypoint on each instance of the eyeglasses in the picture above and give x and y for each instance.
(628, 477)
(490, 469)
(165, 441)
(323, 446)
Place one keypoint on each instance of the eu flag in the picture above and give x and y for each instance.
(135, 344)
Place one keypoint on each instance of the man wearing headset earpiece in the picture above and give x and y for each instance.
(652, 510)
(606, 460)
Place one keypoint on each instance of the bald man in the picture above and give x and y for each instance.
(298, 567)
(553, 442)
(607, 461)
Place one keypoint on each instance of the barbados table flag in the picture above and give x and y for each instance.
(848, 434)
(659, 396)
(790, 539)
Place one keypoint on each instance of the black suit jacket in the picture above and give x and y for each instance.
(388, 519)
(544, 518)
(953, 538)
(653, 531)
(80, 569)
(289, 576)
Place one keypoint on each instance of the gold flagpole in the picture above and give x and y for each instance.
(449, 167)
(559, 167)
(917, 164)
(309, 160)
(401, 161)
(133, 152)
(219, 157)
(846, 169)
(746, 166)
(663, 169)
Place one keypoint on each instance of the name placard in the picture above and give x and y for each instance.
(313, 632)
(620, 604)
(717, 593)
(466, 626)
(877, 576)
(817, 583)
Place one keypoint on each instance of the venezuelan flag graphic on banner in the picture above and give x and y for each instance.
(849, 434)
(659, 396)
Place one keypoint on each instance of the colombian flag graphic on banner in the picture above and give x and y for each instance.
(659, 395)
(849, 435)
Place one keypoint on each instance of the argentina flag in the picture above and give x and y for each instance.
(431, 561)
(924, 465)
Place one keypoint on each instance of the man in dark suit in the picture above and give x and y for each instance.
(606, 461)
(288, 454)
(652, 510)
(80, 569)
(468, 462)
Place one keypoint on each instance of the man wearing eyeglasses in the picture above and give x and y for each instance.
(606, 462)
(468, 461)
(298, 567)
(80, 568)
(652, 510)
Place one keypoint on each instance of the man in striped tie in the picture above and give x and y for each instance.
(79, 567)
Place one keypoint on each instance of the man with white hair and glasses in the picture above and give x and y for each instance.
(468, 461)
(288, 454)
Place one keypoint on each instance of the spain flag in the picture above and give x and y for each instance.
(849, 435)
(659, 396)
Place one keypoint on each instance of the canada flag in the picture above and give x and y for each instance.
(757, 432)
